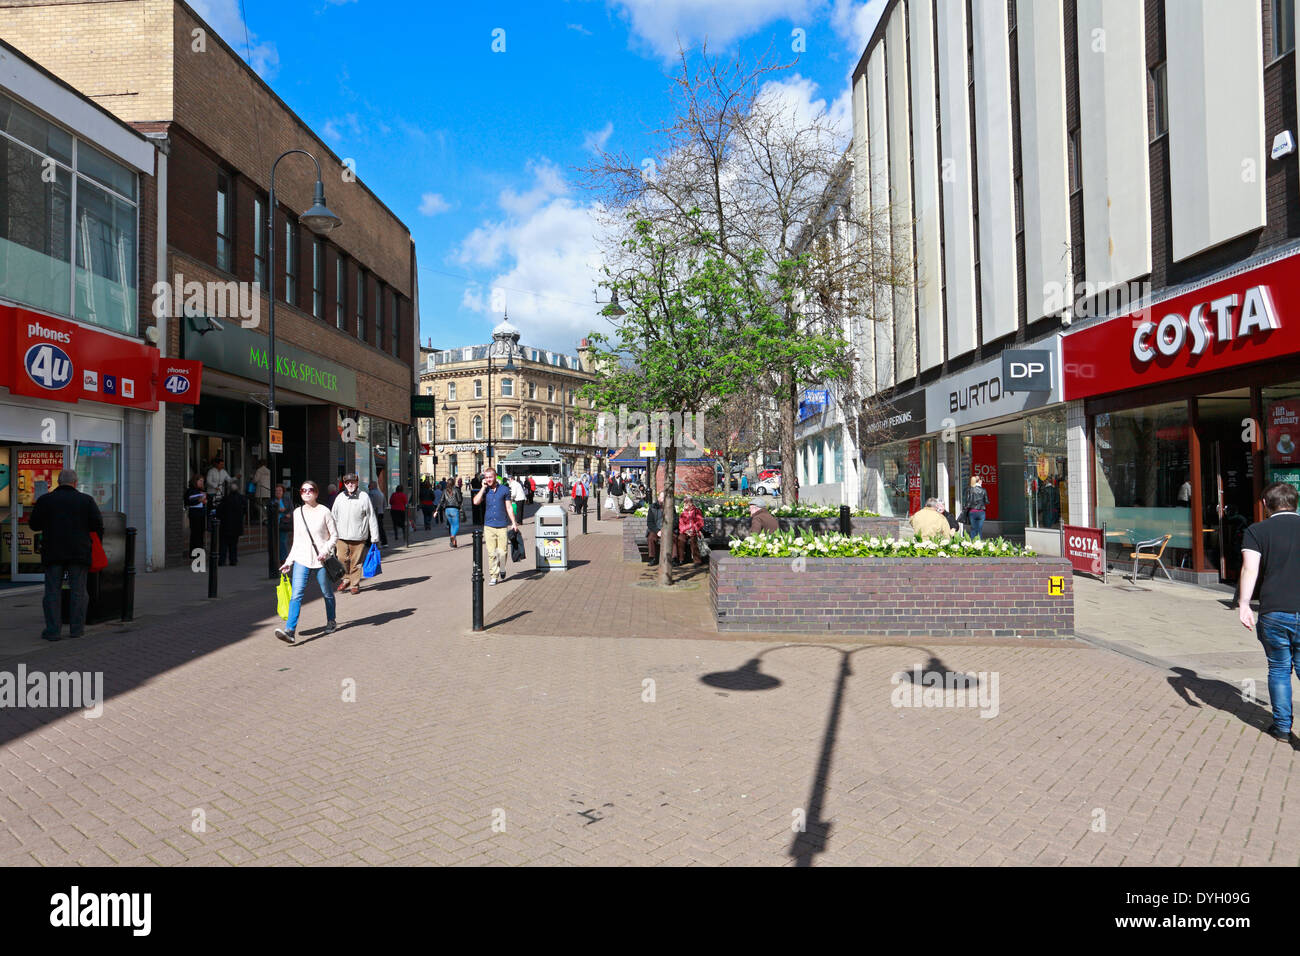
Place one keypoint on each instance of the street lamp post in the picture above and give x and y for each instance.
(321, 221)
(505, 338)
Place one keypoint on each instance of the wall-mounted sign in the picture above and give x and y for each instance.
(180, 381)
(894, 419)
(424, 406)
(1245, 318)
(648, 449)
(276, 441)
(1027, 370)
(243, 352)
(980, 394)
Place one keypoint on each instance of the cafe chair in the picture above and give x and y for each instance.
(1139, 556)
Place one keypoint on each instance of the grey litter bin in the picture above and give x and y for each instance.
(551, 538)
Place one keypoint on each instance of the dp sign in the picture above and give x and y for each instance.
(1026, 370)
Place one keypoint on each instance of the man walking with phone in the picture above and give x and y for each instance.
(1270, 553)
(498, 515)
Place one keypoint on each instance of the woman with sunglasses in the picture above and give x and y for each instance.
(314, 538)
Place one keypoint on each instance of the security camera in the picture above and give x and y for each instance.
(214, 324)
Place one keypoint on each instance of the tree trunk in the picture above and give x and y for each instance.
(787, 405)
(670, 510)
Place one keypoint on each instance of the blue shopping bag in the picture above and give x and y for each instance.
(371, 567)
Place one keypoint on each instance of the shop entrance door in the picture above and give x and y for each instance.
(26, 473)
(1227, 481)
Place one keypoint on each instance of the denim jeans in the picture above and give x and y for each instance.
(976, 520)
(300, 574)
(1279, 632)
(52, 603)
(453, 521)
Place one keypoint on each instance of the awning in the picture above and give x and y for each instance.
(532, 455)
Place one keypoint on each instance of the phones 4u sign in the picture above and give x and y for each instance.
(1085, 548)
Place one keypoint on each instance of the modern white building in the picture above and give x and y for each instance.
(1100, 200)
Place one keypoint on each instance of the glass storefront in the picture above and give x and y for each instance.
(1281, 406)
(1143, 479)
(1047, 498)
(907, 476)
(97, 473)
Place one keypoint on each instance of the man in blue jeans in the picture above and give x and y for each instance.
(1270, 552)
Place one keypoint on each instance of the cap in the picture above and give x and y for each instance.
(758, 502)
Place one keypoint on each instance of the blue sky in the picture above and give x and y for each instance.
(478, 151)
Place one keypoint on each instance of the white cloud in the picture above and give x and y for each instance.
(594, 140)
(799, 97)
(224, 17)
(549, 184)
(337, 127)
(660, 23)
(544, 255)
(432, 203)
(579, 28)
(855, 22)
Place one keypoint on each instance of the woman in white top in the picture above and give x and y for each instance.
(314, 538)
(517, 496)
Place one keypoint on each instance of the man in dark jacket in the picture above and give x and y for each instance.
(760, 519)
(65, 517)
(654, 530)
(230, 514)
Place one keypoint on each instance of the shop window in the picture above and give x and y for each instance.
(1047, 499)
(96, 468)
(340, 292)
(1283, 27)
(1143, 475)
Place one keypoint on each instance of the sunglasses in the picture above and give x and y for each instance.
(306, 491)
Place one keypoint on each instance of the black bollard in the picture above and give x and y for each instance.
(584, 520)
(213, 552)
(128, 583)
(846, 523)
(597, 504)
(476, 582)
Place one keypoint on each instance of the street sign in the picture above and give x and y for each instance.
(424, 406)
(648, 449)
(276, 441)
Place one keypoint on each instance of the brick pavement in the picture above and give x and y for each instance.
(207, 712)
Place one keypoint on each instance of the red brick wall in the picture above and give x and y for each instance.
(892, 597)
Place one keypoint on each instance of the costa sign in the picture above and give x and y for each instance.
(1173, 333)
(1246, 318)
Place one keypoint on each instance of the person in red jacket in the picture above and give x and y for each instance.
(397, 505)
(690, 525)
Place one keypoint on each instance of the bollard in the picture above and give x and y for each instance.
(584, 520)
(846, 524)
(128, 583)
(597, 504)
(212, 557)
(476, 582)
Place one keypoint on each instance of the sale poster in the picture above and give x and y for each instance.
(1282, 432)
(36, 472)
(913, 476)
(984, 463)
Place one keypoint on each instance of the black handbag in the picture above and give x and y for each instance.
(333, 566)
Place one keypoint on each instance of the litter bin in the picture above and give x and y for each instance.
(551, 538)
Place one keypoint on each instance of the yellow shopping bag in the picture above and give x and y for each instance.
(283, 592)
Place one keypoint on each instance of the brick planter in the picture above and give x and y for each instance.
(724, 528)
(893, 597)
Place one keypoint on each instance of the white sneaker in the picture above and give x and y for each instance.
(491, 581)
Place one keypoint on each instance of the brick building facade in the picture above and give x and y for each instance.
(346, 311)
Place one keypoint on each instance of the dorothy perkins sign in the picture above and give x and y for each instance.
(244, 353)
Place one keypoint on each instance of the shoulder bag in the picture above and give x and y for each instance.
(333, 566)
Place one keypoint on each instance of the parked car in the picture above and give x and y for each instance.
(768, 473)
(771, 485)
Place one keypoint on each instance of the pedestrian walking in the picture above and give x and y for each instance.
(262, 479)
(377, 500)
(216, 478)
(284, 514)
(517, 497)
(1270, 554)
(975, 507)
(230, 518)
(357, 525)
(550, 490)
(497, 516)
(452, 499)
(579, 496)
(532, 488)
(331, 492)
(196, 506)
(65, 517)
(476, 509)
(427, 502)
(655, 538)
(314, 538)
(397, 505)
(744, 484)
